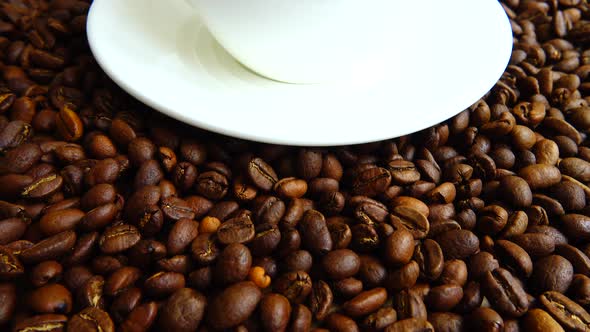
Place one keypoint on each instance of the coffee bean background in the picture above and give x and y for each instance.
(114, 217)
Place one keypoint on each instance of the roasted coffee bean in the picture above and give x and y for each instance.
(8, 300)
(164, 283)
(296, 286)
(371, 182)
(275, 311)
(46, 322)
(399, 247)
(321, 299)
(538, 320)
(568, 313)
(236, 230)
(348, 287)
(315, 234)
(579, 289)
(300, 319)
(411, 325)
(261, 174)
(446, 321)
(90, 294)
(121, 279)
(173, 313)
(341, 264)
(552, 273)
(233, 264)
(181, 235)
(48, 271)
(234, 305)
(411, 219)
(540, 176)
(485, 319)
(535, 244)
(444, 297)
(430, 259)
(52, 298)
(91, 319)
(575, 256)
(52, 247)
(141, 318)
(576, 226)
(514, 257)
(409, 304)
(340, 323)
(504, 292)
(379, 320)
(472, 298)
(403, 277)
(458, 244)
(365, 303)
(204, 249)
(372, 271)
(118, 238)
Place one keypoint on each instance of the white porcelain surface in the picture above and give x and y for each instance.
(448, 54)
(302, 41)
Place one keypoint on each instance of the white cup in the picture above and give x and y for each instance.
(300, 41)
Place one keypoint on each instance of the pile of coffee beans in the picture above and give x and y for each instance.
(114, 217)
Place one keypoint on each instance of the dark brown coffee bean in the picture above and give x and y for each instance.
(485, 319)
(412, 219)
(568, 313)
(577, 168)
(340, 323)
(399, 247)
(403, 277)
(275, 311)
(409, 304)
(458, 244)
(261, 174)
(300, 319)
(570, 195)
(315, 234)
(20, 159)
(59, 221)
(535, 244)
(181, 235)
(446, 321)
(8, 298)
(296, 286)
(379, 320)
(68, 124)
(366, 302)
(268, 209)
(575, 256)
(12, 229)
(514, 257)
(348, 287)
(233, 264)
(290, 188)
(48, 271)
(552, 273)
(91, 319)
(472, 298)
(576, 226)
(444, 297)
(46, 322)
(429, 257)
(540, 176)
(121, 280)
(579, 290)
(403, 172)
(173, 314)
(371, 182)
(90, 294)
(204, 249)
(372, 271)
(164, 283)
(118, 238)
(43, 187)
(236, 230)
(410, 325)
(321, 299)
(52, 247)
(538, 320)
(505, 293)
(148, 174)
(341, 264)
(234, 305)
(52, 298)
(141, 318)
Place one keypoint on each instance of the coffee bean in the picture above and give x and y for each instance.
(236, 230)
(50, 248)
(410, 324)
(118, 238)
(164, 283)
(275, 311)
(261, 174)
(204, 249)
(340, 323)
(46, 322)
(234, 305)
(8, 301)
(296, 286)
(403, 172)
(52, 298)
(371, 182)
(399, 247)
(552, 273)
(514, 257)
(458, 244)
(535, 244)
(540, 176)
(409, 304)
(372, 271)
(181, 235)
(444, 297)
(429, 257)
(486, 319)
(141, 317)
(504, 292)
(91, 319)
(379, 320)
(233, 264)
(173, 314)
(315, 234)
(446, 321)
(403, 277)
(411, 219)
(539, 320)
(366, 302)
(321, 299)
(300, 318)
(576, 226)
(341, 264)
(568, 313)
(48, 271)
(575, 256)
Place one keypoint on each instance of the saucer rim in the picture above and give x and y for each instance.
(93, 26)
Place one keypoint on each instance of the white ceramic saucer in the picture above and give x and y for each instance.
(446, 55)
